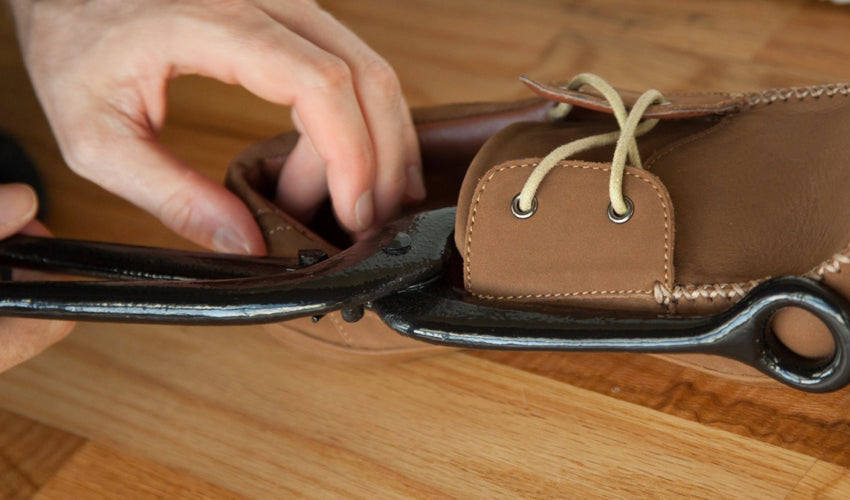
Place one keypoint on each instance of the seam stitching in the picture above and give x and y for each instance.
(770, 96)
(468, 253)
(666, 296)
(280, 226)
(279, 229)
(733, 291)
(563, 294)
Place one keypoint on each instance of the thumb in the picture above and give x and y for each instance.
(148, 175)
(18, 206)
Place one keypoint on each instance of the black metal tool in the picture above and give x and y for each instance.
(400, 274)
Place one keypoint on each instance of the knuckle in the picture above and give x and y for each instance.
(381, 76)
(177, 212)
(83, 152)
(261, 41)
(332, 73)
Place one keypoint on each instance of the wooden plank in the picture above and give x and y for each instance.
(30, 454)
(823, 482)
(97, 471)
(814, 39)
(235, 409)
(814, 424)
(691, 45)
(467, 31)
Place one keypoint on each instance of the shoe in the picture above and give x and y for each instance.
(590, 197)
(449, 137)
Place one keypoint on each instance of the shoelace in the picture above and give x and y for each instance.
(620, 209)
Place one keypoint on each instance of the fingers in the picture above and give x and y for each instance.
(415, 190)
(398, 173)
(148, 175)
(281, 66)
(18, 205)
(104, 93)
(21, 339)
(302, 184)
(105, 98)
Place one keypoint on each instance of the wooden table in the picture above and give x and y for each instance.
(127, 411)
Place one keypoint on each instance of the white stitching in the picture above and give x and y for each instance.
(734, 291)
(564, 294)
(468, 257)
(832, 265)
(770, 96)
(730, 291)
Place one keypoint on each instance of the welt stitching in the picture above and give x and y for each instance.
(770, 96)
(468, 256)
(754, 99)
(732, 291)
(667, 296)
(832, 266)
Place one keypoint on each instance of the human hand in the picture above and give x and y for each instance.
(21, 339)
(101, 68)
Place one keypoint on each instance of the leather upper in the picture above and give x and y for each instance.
(751, 187)
(736, 188)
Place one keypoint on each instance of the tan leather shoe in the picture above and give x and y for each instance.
(732, 189)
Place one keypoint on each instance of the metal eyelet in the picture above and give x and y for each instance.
(519, 213)
(620, 219)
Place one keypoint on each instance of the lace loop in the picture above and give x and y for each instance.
(630, 125)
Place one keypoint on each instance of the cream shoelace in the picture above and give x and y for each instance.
(621, 208)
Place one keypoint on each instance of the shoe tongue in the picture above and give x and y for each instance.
(677, 105)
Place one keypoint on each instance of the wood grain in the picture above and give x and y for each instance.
(220, 412)
(823, 481)
(817, 425)
(30, 454)
(96, 471)
(443, 426)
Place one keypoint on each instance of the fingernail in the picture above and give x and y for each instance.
(364, 211)
(18, 203)
(415, 183)
(228, 241)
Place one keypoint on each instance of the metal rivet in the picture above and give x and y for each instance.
(398, 245)
(352, 314)
(619, 219)
(310, 256)
(518, 212)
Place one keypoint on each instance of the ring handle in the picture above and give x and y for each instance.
(769, 355)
